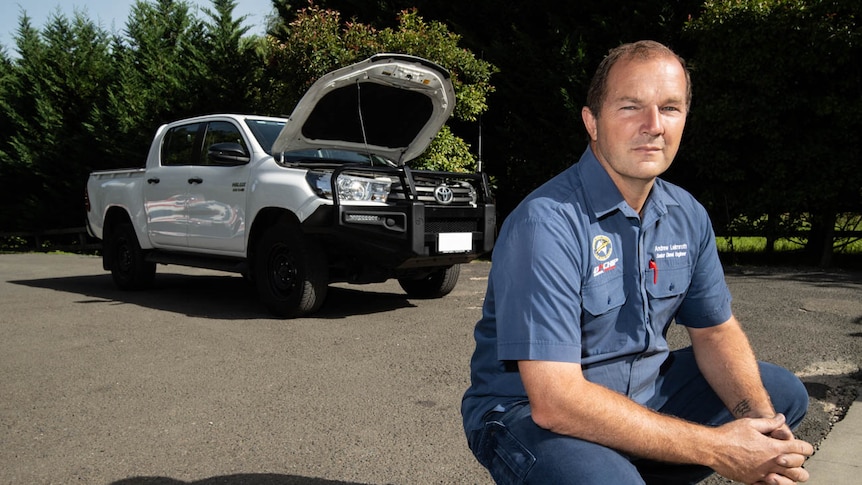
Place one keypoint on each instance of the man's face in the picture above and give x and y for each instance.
(639, 127)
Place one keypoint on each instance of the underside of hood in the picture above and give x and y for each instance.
(390, 105)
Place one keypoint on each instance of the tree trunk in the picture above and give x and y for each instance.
(821, 239)
(771, 236)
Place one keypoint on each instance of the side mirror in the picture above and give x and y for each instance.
(227, 154)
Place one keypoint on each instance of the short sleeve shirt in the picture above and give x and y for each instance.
(578, 276)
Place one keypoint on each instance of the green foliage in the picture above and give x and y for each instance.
(47, 97)
(320, 41)
(751, 244)
(160, 75)
(778, 116)
(77, 98)
(546, 51)
(304, 49)
(432, 40)
(231, 66)
(12, 244)
(447, 153)
(771, 140)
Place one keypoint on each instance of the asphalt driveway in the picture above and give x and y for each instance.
(193, 382)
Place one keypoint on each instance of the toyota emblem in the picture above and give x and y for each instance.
(443, 194)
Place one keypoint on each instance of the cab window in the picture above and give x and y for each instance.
(179, 147)
(220, 132)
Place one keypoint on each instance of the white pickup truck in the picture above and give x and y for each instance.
(296, 204)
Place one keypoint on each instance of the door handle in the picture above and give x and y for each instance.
(153, 180)
(196, 180)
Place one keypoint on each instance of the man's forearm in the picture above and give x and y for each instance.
(595, 413)
(725, 358)
(562, 401)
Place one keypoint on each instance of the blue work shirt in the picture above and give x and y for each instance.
(578, 276)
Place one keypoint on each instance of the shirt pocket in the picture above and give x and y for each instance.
(669, 282)
(599, 330)
(666, 292)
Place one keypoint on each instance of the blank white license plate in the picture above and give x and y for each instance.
(455, 242)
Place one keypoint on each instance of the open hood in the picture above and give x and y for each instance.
(390, 105)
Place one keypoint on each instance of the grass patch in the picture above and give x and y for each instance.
(748, 251)
(758, 245)
(753, 245)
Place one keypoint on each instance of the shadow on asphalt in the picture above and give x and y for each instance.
(814, 276)
(214, 296)
(241, 479)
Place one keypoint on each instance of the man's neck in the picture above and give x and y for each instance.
(634, 191)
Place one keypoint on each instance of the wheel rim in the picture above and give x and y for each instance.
(124, 256)
(283, 271)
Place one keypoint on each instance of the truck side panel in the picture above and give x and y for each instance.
(121, 189)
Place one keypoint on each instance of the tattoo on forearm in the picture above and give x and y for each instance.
(741, 409)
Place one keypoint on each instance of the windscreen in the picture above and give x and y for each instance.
(330, 156)
(265, 131)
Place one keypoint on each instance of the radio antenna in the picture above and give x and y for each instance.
(479, 158)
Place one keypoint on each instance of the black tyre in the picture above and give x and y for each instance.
(129, 267)
(291, 276)
(437, 284)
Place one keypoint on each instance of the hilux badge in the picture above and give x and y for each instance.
(443, 194)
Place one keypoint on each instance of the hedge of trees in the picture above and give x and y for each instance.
(77, 98)
(770, 144)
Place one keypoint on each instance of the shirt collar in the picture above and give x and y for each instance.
(604, 197)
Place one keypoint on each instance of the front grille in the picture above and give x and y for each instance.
(463, 192)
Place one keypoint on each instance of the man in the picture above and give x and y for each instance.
(572, 378)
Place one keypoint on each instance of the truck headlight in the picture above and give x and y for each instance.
(351, 188)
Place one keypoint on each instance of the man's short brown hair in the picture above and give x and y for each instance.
(641, 50)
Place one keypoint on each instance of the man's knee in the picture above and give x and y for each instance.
(572, 461)
(515, 450)
(788, 394)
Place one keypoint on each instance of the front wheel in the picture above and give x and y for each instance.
(291, 276)
(436, 284)
(129, 268)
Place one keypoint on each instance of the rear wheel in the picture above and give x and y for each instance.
(436, 284)
(129, 267)
(291, 275)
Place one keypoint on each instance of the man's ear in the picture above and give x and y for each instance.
(589, 123)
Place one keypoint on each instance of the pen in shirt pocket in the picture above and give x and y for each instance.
(654, 268)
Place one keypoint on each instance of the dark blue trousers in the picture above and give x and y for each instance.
(516, 451)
